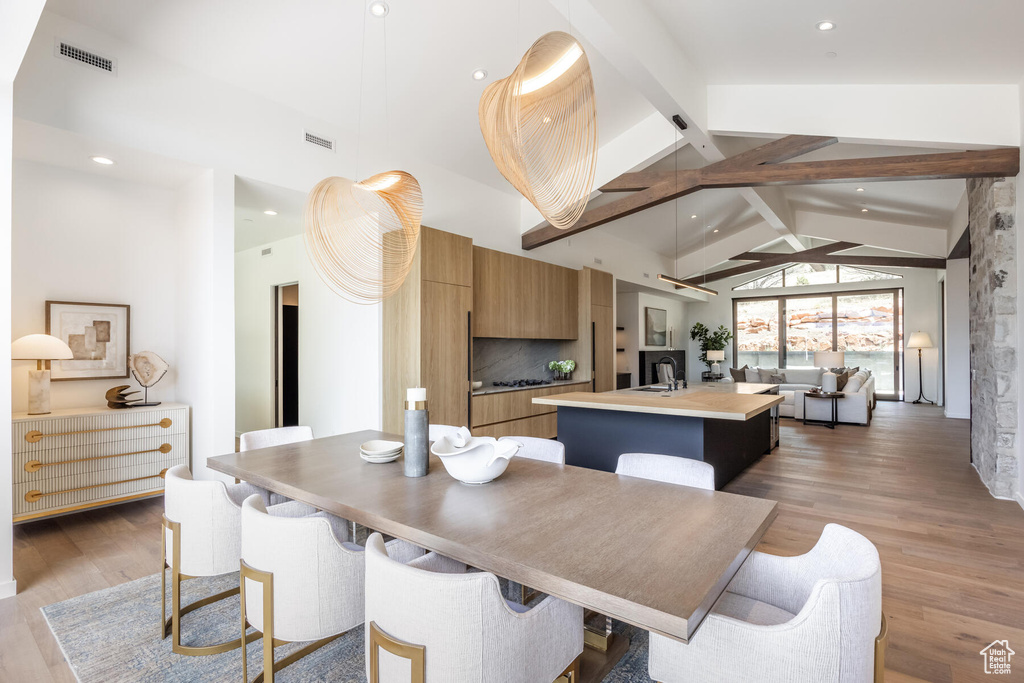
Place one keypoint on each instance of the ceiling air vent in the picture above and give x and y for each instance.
(267, 252)
(318, 140)
(76, 54)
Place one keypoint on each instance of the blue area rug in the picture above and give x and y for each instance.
(114, 635)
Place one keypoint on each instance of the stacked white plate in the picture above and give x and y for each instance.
(380, 451)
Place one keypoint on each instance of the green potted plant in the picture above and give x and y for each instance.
(710, 340)
(562, 368)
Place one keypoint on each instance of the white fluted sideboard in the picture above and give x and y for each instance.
(81, 458)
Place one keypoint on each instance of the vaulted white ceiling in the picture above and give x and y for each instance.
(405, 82)
(875, 41)
(307, 54)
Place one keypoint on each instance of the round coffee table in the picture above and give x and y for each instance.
(834, 397)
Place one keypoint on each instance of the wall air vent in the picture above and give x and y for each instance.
(267, 252)
(318, 140)
(77, 55)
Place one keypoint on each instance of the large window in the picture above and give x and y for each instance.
(815, 274)
(867, 326)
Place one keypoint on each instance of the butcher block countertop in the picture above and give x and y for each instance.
(740, 401)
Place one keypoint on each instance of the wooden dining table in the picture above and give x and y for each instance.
(650, 554)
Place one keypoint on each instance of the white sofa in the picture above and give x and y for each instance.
(854, 408)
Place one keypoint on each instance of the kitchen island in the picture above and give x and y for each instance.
(729, 426)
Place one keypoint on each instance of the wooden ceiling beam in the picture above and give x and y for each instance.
(767, 259)
(825, 255)
(761, 167)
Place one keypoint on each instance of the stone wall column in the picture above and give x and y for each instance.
(993, 326)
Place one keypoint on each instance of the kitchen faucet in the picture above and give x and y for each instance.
(675, 371)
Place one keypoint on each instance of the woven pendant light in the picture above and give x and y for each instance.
(540, 126)
(361, 237)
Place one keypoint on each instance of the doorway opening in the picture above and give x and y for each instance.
(286, 351)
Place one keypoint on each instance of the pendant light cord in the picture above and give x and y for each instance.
(675, 202)
(359, 106)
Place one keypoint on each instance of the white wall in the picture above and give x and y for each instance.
(920, 310)
(631, 315)
(339, 371)
(958, 339)
(82, 237)
(8, 586)
(17, 22)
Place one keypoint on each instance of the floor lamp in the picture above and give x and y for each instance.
(920, 340)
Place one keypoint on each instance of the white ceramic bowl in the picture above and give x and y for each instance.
(477, 385)
(482, 460)
(378, 447)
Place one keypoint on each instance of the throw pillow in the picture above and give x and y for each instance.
(738, 374)
(841, 381)
(779, 379)
(752, 375)
(854, 385)
(765, 376)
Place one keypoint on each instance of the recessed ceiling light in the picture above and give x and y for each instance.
(863, 210)
(826, 25)
(860, 189)
(103, 160)
(379, 8)
(693, 216)
(831, 55)
(716, 229)
(248, 220)
(479, 74)
(270, 212)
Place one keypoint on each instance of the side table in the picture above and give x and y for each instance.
(834, 397)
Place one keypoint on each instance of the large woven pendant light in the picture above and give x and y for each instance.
(361, 237)
(540, 126)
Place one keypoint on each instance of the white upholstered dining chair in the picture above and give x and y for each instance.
(201, 536)
(667, 468)
(428, 621)
(278, 436)
(535, 448)
(813, 618)
(302, 579)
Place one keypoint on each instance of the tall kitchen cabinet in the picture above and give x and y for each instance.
(520, 298)
(426, 332)
(596, 346)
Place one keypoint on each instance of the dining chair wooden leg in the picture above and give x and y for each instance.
(416, 654)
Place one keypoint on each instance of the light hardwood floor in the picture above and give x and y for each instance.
(952, 556)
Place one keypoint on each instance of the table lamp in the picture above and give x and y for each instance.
(39, 347)
(920, 340)
(715, 356)
(829, 360)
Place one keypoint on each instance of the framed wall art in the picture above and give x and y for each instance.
(98, 334)
(656, 325)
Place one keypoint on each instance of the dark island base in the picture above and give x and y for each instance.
(596, 438)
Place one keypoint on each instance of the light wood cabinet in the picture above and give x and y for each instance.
(519, 298)
(604, 348)
(540, 426)
(426, 335)
(513, 405)
(596, 347)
